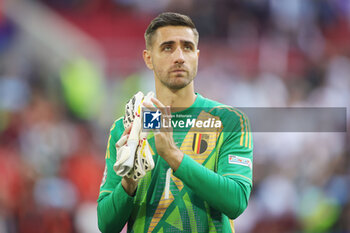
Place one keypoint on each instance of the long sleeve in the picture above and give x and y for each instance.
(114, 210)
(222, 193)
(114, 204)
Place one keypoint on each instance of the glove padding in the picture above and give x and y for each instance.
(134, 157)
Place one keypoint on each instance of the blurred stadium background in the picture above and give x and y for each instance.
(67, 67)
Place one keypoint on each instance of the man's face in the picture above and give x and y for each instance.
(174, 56)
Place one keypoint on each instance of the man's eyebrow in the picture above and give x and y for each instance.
(187, 42)
(170, 42)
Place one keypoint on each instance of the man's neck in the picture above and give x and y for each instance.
(182, 98)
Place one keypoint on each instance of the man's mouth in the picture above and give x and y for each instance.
(178, 71)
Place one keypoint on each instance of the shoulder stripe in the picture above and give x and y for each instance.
(240, 119)
(250, 135)
(242, 124)
(245, 139)
(246, 136)
(246, 130)
(109, 138)
(107, 151)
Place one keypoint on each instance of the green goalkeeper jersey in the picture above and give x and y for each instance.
(210, 188)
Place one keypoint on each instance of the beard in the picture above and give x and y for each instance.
(177, 81)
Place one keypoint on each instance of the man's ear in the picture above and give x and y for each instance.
(147, 58)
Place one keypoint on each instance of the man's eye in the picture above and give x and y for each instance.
(167, 48)
(188, 47)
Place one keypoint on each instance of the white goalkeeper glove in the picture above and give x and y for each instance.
(134, 157)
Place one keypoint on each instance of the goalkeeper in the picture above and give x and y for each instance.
(192, 181)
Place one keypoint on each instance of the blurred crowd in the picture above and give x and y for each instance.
(54, 122)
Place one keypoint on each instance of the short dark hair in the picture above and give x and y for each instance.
(168, 19)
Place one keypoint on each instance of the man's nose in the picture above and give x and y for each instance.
(179, 56)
